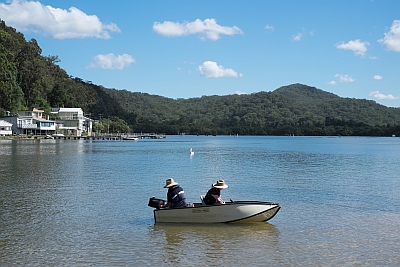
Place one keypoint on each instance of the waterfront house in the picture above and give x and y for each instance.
(5, 128)
(30, 122)
(71, 121)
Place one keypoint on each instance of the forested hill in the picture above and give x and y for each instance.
(296, 109)
(28, 79)
(305, 94)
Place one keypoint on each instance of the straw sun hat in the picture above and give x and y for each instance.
(220, 184)
(170, 182)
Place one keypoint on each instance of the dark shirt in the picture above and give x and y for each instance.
(209, 199)
(176, 196)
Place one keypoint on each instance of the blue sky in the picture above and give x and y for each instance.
(184, 49)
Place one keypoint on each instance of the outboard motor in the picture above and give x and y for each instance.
(156, 203)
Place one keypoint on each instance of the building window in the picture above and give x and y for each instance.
(46, 124)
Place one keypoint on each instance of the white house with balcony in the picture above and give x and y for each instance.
(5, 128)
(31, 122)
(71, 121)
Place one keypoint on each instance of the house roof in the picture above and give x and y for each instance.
(5, 123)
(70, 110)
(34, 111)
(42, 120)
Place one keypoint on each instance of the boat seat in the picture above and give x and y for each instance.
(202, 200)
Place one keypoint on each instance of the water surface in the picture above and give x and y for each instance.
(84, 203)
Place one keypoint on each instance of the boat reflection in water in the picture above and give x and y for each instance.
(212, 244)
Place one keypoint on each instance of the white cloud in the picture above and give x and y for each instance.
(377, 77)
(302, 34)
(392, 37)
(240, 92)
(297, 37)
(380, 96)
(342, 79)
(210, 69)
(207, 29)
(359, 48)
(269, 27)
(345, 78)
(55, 22)
(332, 83)
(111, 61)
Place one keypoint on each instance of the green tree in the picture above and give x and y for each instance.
(11, 95)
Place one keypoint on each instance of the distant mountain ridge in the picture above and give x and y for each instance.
(303, 93)
(292, 106)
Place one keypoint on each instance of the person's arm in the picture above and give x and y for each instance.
(169, 200)
(218, 199)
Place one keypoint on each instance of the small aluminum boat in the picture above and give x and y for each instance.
(132, 138)
(230, 212)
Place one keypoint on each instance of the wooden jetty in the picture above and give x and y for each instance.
(113, 136)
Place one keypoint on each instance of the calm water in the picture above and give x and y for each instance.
(84, 203)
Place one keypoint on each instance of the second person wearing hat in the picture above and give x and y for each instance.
(175, 196)
(213, 196)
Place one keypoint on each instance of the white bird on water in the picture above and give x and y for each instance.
(191, 151)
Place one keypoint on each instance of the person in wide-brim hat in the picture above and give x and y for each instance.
(213, 196)
(170, 182)
(220, 184)
(175, 196)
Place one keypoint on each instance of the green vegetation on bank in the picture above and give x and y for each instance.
(29, 79)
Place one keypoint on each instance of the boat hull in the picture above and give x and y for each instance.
(234, 212)
(131, 138)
